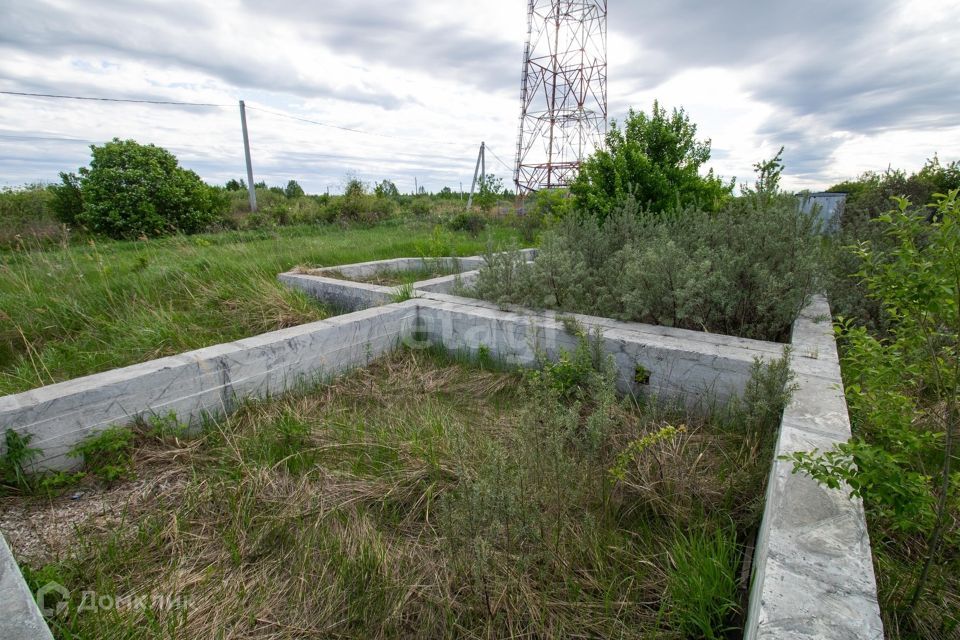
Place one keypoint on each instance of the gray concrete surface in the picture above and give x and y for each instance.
(202, 382)
(681, 364)
(813, 572)
(20, 618)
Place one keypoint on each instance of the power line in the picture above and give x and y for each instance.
(65, 97)
(508, 167)
(402, 157)
(352, 130)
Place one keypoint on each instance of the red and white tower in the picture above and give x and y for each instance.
(563, 115)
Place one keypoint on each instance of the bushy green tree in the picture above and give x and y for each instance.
(656, 159)
(132, 190)
(489, 192)
(386, 189)
(293, 189)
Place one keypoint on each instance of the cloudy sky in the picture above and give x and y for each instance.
(844, 85)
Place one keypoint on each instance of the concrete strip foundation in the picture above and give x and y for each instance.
(813, 575)
(813, 570)
(672, 363)
(202, 382)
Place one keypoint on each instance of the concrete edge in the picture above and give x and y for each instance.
(813, 573)
(201, 383)
(20, 617)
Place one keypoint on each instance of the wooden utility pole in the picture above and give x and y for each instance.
(246, 153)
(481, 161)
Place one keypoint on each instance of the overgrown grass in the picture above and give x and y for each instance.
(431, 498)
(81, 309)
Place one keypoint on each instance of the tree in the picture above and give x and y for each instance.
(293, 190)
(132, 190)
(656, 159)
(489, 192)
(386, 189)
(235, 185)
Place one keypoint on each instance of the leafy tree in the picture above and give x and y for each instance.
(386, 189)
(132, 190)
(489, 192)
(354, 188)
(768, 177)
(234, 185)
(293, 190)
(656, 159)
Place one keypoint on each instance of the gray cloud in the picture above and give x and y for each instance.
(848, 66)
(170, 34)
(390, 32)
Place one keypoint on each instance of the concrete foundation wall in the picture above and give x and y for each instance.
(812, 574)
(813, 570)
(341, 294)
(680, 363)
(202, 382)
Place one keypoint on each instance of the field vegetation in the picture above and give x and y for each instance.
(744, 270)
(428, 496)
(84, 308)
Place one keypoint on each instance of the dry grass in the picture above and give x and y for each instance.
(419, 497)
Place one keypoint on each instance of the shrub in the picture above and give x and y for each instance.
(386, 189)
(470, 222)
(745, 271)
(132, 190)
(67, 202)
(27, 214)
(657, 160)
(903, 391)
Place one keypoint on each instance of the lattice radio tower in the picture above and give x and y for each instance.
(563, 115)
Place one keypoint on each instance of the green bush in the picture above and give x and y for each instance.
(489, 192)
(132, 190)
(293, 189)
(656, 159)
(27, 214)
(745, 271)
(903, 391)
(67, 198)
(467, 221)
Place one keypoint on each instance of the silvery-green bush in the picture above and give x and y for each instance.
(745, 271)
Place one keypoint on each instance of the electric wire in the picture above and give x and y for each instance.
(97, 99)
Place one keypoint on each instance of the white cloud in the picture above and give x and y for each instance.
(844, 90)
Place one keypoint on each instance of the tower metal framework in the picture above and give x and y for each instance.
(563, 113)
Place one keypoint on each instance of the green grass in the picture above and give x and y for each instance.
(86, 308)
(423, 497)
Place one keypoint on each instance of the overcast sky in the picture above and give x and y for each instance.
(844, 85)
